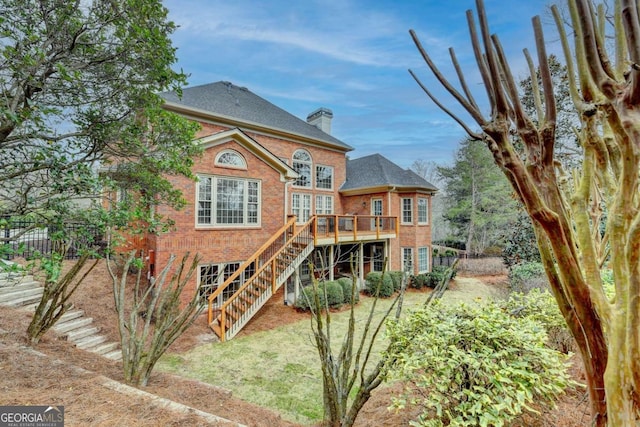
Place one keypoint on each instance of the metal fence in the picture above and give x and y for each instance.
(447, 261)
(27, 238)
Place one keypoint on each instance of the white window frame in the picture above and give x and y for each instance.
(223, 271)
(376, 207)
(423, 211)
(324, 205)
(423, 259)
(302, 161)
(301, 207)
(225, 154)
(318, 170)
(407, 214)
(407, 258)
(251, 201)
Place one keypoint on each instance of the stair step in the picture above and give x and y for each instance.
(11, 279)
(114, 355)
(23, 298)
(77, 334)
(8, 297)
(17, 287)
(70, 315)
(217, 329)
(64, 327)
(90, 341)
(233, 315)
(104, 348)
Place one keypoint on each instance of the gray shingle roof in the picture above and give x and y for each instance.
(377, 171)
(230, 101)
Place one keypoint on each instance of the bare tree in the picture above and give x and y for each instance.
(347, 377)
(588, 220)
(153, 318)
(57, 291)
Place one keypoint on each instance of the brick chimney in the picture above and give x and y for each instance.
(321, 118)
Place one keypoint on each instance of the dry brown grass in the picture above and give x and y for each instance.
(492, 266)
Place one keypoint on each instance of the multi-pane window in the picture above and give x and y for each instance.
(376, 207)
(324, 177)
(407, 211)
(301, 207)
(209, 275)
(302, 165)
(377, 254)
(324, 205)
(423, 260)
(423, 211)
(407, 259)
(231, 158)
(235, 201)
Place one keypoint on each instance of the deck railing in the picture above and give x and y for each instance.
(354, 227)
(233, 304)
(271, 265)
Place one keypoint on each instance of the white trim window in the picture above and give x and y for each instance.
(324, 205)
(376, 207)
(302, 164)
(423, 260)
(423, 211)
(208, 279)
(324, 177)
(211, 276)
(407, 211)
(301, 207)
(407, 260)
(225, 201)
(230, 159)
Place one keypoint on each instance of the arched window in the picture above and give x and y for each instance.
(302, 164)
(231, 159)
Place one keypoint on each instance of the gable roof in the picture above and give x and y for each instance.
(240, 107)
(377, 172)
(238, 136)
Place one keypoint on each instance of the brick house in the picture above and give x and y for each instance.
(275, 192)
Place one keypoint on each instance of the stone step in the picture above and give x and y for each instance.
(71, 314)
(90, 341)
(8, 279)
(114, 355)
(64, 327)
(17, 287)
(104, 348)
(21, 298)
(77, 334)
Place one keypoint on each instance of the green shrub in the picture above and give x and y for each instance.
(541, 307)
(526, 276)
(378, 284)
(473, 364)
(396, 278)
(334, 294)
(420, 281)
(347, 284)
(306, 298)
(330, 294)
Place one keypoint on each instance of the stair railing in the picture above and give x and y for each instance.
(272, 263)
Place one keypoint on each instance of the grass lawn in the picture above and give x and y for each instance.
(279, 368)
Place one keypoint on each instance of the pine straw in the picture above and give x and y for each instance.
(31, 379)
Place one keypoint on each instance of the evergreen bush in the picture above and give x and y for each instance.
(396, 278)
(347, 284)
(526, 276)
(420, 281)
(379, 284)
(473, 365)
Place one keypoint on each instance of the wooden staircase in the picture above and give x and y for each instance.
(270, 267)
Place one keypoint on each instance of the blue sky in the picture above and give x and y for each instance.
(351, 56)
